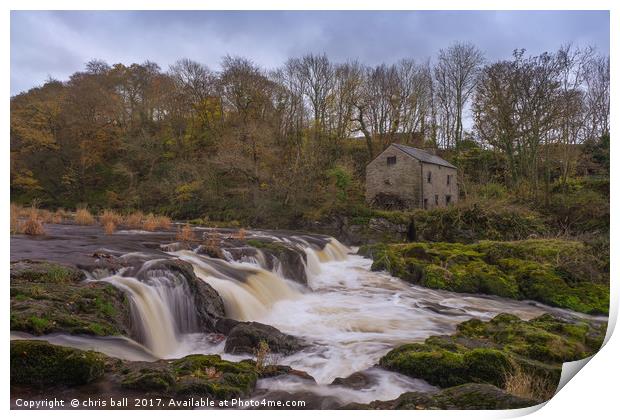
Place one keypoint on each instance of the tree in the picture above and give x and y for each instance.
(456, 72)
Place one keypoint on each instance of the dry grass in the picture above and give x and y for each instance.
(57, 217)
(186, 233)
(134, 220)
(16, 225)
(109, 227)
(110, 217)
(264, 356)
(527, 385)
(83, 217)
(241, 234)
(164, 222)
(33, 224)
(152, 222)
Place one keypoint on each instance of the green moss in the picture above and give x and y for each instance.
(487, 366)
(39, 364)
(46, 306)
(149, 379)
(485, 352)
(209, 373)
(529, 269)
(45, 272)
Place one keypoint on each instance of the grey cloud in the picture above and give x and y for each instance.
(59, 43)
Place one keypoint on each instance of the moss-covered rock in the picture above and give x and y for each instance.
(197, 374)
(39, 364)
(445, 368)
(556, 272)
(48, 297)
(463, 397)
(149, 377)
(489, 352)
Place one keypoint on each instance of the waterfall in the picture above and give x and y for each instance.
(332, 251)
(248, 292)
(162, 308)
(151, 316)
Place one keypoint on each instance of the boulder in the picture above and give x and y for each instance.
(357, 380)
(245, 338)
(40, 364)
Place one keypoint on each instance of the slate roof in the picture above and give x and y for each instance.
(423, 156)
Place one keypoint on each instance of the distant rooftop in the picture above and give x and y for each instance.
(423, 156)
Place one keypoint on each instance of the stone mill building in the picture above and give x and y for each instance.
(403, 177)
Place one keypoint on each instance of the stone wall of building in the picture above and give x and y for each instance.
(407, 178)
(438, 192)
(402, 178)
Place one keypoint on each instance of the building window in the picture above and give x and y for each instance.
(448, 179)
(428, 177)
(448, 199)
(391, 160)
(436, 199)
(425, 203)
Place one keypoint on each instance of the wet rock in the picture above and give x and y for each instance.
(224, 325)
(357, 380)
(40, 364)
(279, 370)
(290, 260)
(245, 337)
(47, 297)
(37, 271)
(311, 401)
(175, 246)
(463, 397)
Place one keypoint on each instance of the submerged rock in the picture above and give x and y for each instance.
(245, 338)
(463, 397)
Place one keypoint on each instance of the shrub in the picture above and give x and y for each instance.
(33, 225)
(84, 217)
(16, 226)
(110, 217)
(152, 222)
(109, 227)
(134, 220)
(186, 233)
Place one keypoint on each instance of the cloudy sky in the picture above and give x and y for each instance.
(56, 44)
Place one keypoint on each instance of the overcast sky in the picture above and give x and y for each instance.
(56, 44)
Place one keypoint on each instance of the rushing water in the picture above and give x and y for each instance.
(349, 315)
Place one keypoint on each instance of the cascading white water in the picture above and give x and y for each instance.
(150, 315)
(248, 292)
